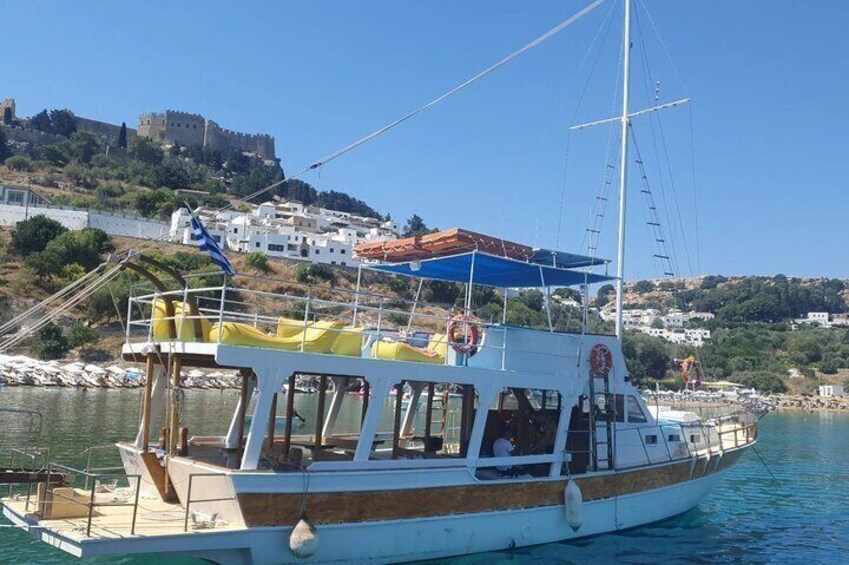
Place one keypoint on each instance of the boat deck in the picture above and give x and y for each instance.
(112, 521)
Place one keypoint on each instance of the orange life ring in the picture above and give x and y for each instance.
(467, 343)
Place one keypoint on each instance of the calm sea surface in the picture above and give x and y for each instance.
(800, 517)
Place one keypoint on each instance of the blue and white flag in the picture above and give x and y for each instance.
(207, 243)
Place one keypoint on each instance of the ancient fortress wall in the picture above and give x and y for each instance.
(107, 132)
(193, 129)
(31, 136)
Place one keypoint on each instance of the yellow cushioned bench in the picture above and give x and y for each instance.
(397, 351)
(185, 326)
(287, 327)
(319, 337)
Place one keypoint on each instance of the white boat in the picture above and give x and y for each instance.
(374, 480)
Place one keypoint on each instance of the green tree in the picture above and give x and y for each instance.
(41, 122)
(643, 287)
(762, 381)
(313, 273)
(122, 136)
(146, 150)
(258, 261)
(83, 247)
(604, 293)
(646, 357)
(19, 163)
(33, 235)
(50, 343)
(5, 150)
(82, 336)
(81, 175)
(7, 116)
(416, 227)
(62, 122)
(56, 154)
(83, 146)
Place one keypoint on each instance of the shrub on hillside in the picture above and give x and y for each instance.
(82, 336)
(258, 261)
(313, 273)
(50, 344)
(20, 163)
(83, 247)
(762, 381)
(33, 235)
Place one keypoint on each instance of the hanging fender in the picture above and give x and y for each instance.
(303, 541)
(573, 502)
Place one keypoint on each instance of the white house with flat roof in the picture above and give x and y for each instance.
(831, 390)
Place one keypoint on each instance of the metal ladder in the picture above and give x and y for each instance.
(602, 424)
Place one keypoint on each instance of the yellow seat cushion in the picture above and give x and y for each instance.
(318, 338)
(185, 326)
(349, 342)
(438, 343)
(287, 327)
(398, 351)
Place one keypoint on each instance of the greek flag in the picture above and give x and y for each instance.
(208, 244)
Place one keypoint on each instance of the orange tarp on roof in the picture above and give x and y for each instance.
(440, 244)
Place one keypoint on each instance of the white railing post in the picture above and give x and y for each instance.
(221, 310)
(306, 319)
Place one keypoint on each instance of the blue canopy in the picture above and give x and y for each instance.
(564, 260)
(490, 270)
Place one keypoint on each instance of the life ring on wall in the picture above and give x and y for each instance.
(601, 360)
(466, 342)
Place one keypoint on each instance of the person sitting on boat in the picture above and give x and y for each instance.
(503, 447)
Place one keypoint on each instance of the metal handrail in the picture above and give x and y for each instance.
(189, 496)
(92, 504)
(311, 303)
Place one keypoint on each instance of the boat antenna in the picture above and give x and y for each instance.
(623, 169)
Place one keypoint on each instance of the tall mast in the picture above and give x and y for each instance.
(623, 170)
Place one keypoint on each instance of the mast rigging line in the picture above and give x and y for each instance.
(647, 76)
(377, 133)
(605, 27)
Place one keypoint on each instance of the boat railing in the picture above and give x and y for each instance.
(31, 459)
(86, 497)
(284, 317)
(92, 455)
(193, 480)
(697, 438)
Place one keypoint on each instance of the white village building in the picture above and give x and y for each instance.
(289, 230)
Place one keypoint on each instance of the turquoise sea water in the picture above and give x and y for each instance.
(801, 516)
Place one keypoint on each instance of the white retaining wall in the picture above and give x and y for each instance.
(71, 219)
(75, 219)
(127, 226)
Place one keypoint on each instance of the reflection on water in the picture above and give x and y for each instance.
(750, 518)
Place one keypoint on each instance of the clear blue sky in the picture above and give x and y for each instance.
(769, 79)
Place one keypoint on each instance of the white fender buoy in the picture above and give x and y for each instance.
(303, 541)
(574, 503)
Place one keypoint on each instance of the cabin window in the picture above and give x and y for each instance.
(326, 424)
(635, 412)
(675, 437)
(619, 407)
(525, 419)
(425, 419)
(651, 439)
